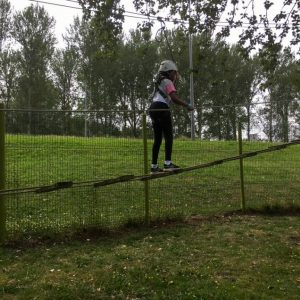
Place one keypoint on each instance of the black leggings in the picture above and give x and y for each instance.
(162, 125)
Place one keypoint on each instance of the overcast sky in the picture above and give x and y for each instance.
(64, 15)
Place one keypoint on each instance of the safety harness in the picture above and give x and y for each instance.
(157, 81)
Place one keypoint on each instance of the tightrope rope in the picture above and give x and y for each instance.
(127, 178)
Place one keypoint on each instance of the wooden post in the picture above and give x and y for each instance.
(146, 171)
(2, 174)
(243, 203)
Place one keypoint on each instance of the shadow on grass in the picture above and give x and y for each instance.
(138, 228)
(274, 210)
(267, 210)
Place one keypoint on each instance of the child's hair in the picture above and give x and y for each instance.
(165, 74)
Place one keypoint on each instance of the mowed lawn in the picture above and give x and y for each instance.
(232, 256)
(32, 161)
(199, 245)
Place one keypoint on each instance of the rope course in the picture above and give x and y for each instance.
(127, 178)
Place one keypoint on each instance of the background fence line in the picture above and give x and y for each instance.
(81, 160)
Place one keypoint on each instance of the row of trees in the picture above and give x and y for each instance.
(95, 72)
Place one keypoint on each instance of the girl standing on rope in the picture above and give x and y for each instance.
(164, 94)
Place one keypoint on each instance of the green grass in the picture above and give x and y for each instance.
(270, 179)
(86, 243)
(233, 256)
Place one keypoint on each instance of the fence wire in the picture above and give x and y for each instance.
(90, 148)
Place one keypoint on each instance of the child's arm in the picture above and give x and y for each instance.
(178, 101)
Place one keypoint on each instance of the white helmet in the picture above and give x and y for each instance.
(167, 65)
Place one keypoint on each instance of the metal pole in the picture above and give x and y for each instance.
(2, 174)
(87, 104)
(243, 203)
(146, 170)
(191, 77)
(29, 129)
(85, 116)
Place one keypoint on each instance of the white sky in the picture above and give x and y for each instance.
(64, 16)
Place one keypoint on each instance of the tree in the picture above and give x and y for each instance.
(254, 81)
(5, 15)
(224, 92)
(260, 30)
(259, 26)
(135, 76)
(33, 29)
(64, 67)
(95, 67)
(8, 74)
(5, 21)
(283, 97)
(106, 20)
(79, 39)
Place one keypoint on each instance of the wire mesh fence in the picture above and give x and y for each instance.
(86, 147)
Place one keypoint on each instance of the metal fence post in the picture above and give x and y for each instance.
(2, 174)
(243, 203)
(146, 170)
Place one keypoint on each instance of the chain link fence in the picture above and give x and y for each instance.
(43, 148)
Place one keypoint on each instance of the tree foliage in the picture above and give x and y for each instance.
(261, 25)
(8, 73)
(106, 22)
(283, 98)
(5, 15)
(110, 75)
(33, 30)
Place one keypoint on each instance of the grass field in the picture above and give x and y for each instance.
(232, 256)
(44, 160)
(84, 243)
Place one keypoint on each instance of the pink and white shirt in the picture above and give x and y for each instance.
(167, 87)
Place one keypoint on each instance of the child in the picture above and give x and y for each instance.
(164, 94)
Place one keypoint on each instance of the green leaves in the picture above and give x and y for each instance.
(257, 24)
(107, 17)
(268, 4)
(5, 26)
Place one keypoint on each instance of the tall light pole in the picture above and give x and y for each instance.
(191, 76)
